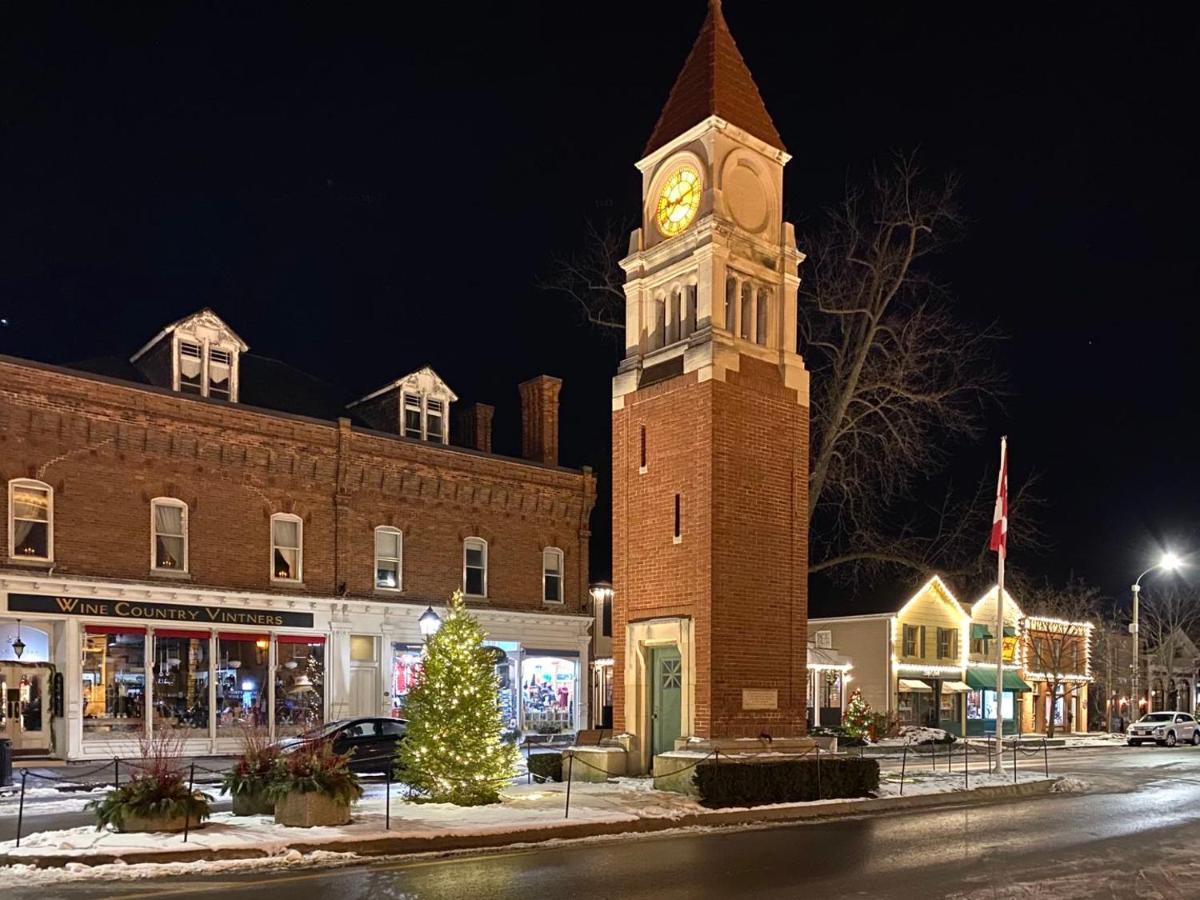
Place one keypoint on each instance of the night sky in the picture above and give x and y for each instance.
(362, 192)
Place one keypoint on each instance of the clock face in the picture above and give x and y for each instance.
(678, 201)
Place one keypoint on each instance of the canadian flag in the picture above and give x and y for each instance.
(999, 540)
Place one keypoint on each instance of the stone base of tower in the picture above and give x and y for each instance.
(675, 771)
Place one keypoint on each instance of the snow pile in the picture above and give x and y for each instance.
(1070, 786)
(920, 783)
(914, 734)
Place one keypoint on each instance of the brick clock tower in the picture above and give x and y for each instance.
(710, 427)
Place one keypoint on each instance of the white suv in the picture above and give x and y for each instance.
(1164, 728)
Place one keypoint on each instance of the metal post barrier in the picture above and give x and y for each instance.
(21, 808)
(116, 773)
(818, 773)
(933, 757)
(989, 752)
(966, 767)
(387, 805)
(903, 765)
(1046, 756)
(187, 809)
(1015, 742)
(570, 768)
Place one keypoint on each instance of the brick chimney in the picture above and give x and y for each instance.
(539, 419)
(475, 426)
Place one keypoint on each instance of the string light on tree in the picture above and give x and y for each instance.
(453, 751)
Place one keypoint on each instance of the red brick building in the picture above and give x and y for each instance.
(197, 540)
(710, 426)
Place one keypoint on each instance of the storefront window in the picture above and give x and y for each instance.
(299, 685)
(989, 704)
(548, 688)
(181, 671)
(241, 682)
(36, 641)
(114, 681)
(406, 666)
(506, 677)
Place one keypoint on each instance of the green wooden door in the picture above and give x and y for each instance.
(666, 695)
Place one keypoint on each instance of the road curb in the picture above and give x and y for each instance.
(442, 843)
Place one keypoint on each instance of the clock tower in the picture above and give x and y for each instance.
(710, 426)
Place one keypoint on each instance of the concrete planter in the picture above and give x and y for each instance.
(155, 823)
(298, 810)
(252, 803)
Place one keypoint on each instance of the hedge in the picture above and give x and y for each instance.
(785, 781)
(546, 766)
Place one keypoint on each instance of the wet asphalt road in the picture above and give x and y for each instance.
(1142, 811)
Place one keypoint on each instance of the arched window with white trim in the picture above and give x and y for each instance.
(168, 535)
(287, 547)
(389, 559)
(552, 575)
(760, 329)
(30, 520)
(475, 567)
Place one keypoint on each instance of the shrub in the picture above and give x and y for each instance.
(315, 768)
(158, 788)
(546, 766)
(785, 781)
(255, 766)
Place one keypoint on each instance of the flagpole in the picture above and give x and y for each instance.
(1000, 551)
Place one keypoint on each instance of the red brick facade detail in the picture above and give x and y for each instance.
(475, 426)
(108, 449)
(539, 419)
(737, 453)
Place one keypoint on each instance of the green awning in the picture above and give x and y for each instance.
(980, 632)
(984, 679)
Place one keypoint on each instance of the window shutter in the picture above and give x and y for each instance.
(922, 653)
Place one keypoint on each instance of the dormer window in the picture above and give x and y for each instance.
(416, 406)
(197, 355)
(424, 418)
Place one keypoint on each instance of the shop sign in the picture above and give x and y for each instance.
(158, 612)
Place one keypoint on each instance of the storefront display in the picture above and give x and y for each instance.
(506, 675)
(299, 684)
(406, 666)
(114, 680)
(548, 686)
(241, 682)
(181, 680)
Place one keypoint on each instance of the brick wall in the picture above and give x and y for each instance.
(107, 449)
(737, 454)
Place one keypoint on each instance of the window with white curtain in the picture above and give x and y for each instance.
(475, 562)
(169, 540)
(389, 549)
(287, 547)
(552, 575)
(30, 520)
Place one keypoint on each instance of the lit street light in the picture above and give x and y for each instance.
(429, 623)
(1168, 563)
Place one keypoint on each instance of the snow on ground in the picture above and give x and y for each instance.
(918, 783)
(44, 801)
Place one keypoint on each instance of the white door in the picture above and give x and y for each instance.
(364, 691)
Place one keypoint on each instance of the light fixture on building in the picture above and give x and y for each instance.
(18, 645)
(429, 623)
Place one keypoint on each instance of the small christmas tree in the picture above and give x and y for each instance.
(856, 721)
(453, 751)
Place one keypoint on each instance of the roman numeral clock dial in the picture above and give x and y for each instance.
(678, 201)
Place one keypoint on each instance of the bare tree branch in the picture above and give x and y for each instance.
(592, 279)
(1056, 636)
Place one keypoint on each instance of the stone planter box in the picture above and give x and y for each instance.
(252, 803)
(299, 810)
(163, 823)
(596, 764)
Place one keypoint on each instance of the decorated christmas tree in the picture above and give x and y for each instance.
(453, 752)
(856, 721)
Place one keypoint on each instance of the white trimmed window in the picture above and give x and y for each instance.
(220, 374)
(475, 565)
(425, 418)
(168, 535)
(207, 370)
(30, 520)
(389, 556)
(435, 420)
(552, 575)
(287, 548)
(191, 368)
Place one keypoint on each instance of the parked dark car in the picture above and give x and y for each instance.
(371, 742)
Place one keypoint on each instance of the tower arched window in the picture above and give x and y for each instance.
(760, 330)
(731, 304)
(675, 320)
(689, 311)
(660, 323)
(747, 308)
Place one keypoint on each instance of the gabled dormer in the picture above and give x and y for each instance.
(416, 406)
(198, 355)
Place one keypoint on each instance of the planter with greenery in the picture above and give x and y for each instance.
(313, 786)
(247, 782)
(546, 766)
(157, 797)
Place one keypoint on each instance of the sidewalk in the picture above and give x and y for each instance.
(529, 813)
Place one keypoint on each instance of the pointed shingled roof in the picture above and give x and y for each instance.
(714, 82)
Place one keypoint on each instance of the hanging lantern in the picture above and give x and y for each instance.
(18, 645)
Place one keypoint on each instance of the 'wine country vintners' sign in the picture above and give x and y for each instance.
(158, 612)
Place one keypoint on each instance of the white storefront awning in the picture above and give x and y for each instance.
(911, 684)
(957, 687)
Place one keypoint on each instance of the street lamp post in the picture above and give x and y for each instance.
(1169, 563)
(429, 623)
